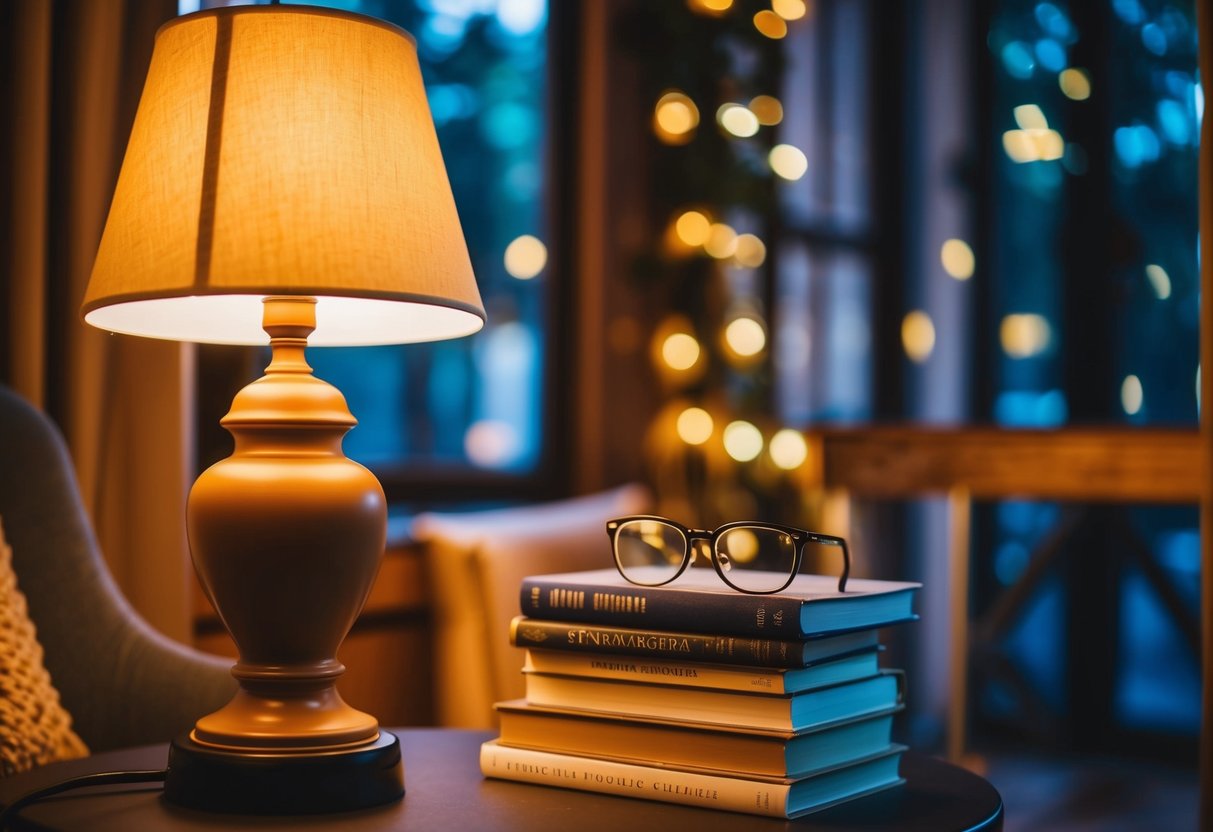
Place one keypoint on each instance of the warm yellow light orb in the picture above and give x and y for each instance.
(715, 8)
(770, 24)
(957, 259)
(680, 351)
(742, 441)
(788, 449)
(737, 120)
(767, 109)
(789, 9)
(745, 336)
(694, 426)
(722, 241)
(751, 251)
(693, 228)
(1030, 117)
(675, 117)
(918, 336)
(788, 162)
(1075, 83)
(525, 257)
(1024, 335)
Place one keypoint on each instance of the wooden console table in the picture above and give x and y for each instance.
(444, 790)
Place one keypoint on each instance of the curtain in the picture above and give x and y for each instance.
(72, 71)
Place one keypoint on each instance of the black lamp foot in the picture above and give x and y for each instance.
(284, 784)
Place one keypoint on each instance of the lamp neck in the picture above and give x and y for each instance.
(289, 320)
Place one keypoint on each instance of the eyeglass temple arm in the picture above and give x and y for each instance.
(846, 556)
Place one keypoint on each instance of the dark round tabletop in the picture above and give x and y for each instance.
(445, 790)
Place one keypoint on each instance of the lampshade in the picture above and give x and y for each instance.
(283, 151)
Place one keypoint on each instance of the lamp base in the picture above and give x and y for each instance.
(284, 784)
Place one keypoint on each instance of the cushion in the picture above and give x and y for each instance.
(476, 563)
(35, 729)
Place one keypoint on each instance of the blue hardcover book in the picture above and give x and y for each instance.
(698, 601)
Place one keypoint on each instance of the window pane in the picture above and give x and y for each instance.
(474, 401)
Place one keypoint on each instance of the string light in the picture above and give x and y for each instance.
(918, 336)
(751, 251)
(957, 259)
(767, 110)
(694, 426)
(675, 118)
(737, 120)
(745, 336)
(721, 242)
(680, 351)
(525, 257)
(1075, 83)
(788, 449)
(788, 162)
(742, 441)
(693, 228)
(770, 24)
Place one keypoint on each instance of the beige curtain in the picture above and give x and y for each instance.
(72, 73)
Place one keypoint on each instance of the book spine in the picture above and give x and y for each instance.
(607, 777)
(663, 608)
(656, 644)
(623, 668)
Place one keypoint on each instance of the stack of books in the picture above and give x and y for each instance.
(695, 693)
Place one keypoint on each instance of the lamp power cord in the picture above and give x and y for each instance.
(104, 778)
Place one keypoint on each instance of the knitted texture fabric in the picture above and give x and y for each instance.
(35, 729)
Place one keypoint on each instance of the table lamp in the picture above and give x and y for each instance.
(283, 176)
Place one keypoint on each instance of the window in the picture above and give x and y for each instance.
(468, 413)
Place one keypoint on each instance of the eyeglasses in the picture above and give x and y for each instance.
(759, 558)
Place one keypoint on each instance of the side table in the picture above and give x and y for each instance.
(444, 790)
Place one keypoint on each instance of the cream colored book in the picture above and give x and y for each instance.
(792, 712)
(702, 674)
(727, 791)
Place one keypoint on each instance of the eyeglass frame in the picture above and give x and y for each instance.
(801, 537)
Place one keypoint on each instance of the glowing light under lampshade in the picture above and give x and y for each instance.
(742, 441)
(788, 449)
(199, 231)
(788, 162)
(525, 257)
(695, 426)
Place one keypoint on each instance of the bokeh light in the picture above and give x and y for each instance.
(918, 335)
(721, 242)
(767, 109)
(694, 426)
(737, 120)
(525, 257)
(742, 441)
(745, 336)
(789, 9)
(770, 24)
(957, 259)
(751, 251)
(675, 118)
(788, 449)
(788, 162)
(680, 351)
(1075, 83)
(1024, 335)
(1132, 396)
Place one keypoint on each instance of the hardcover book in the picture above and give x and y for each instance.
(748, 651)
(703, 675)
(698, 601)
(683, 744)
(726, 790)
(786, 712)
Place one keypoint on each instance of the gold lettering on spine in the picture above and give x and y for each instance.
(565, 599)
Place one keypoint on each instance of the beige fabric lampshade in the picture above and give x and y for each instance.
(283, 150)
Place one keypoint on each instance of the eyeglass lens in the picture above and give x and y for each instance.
(753, 558)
